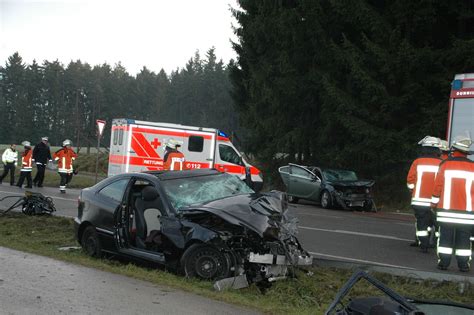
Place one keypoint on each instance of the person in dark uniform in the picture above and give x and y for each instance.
(41, 156)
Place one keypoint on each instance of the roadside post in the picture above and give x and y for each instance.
(100, 129)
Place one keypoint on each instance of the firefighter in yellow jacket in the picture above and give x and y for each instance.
(65, 156)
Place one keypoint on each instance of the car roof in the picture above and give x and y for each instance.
(166, 175)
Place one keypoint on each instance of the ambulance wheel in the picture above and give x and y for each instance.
(326, 200)
(292, 199)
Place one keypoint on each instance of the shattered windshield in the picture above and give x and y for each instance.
(339, 175)
(183, 192)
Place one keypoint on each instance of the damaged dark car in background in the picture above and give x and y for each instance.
(332, 188)
(201, 223)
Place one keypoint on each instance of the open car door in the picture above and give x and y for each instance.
(136, 221)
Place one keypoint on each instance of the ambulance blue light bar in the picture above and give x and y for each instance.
(222, 134)
(457, 84)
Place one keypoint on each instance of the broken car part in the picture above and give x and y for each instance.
(31, 204)
(392, 304)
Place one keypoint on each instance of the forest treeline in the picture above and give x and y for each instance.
(339, 83)
(353, 84)
(64, 101)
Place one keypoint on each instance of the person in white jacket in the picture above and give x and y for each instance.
(10, 160)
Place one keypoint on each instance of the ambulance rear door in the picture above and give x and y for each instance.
(118, 147)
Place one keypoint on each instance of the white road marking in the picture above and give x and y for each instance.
(319, 215)
(20, 194)
(359, 260)
(357, 233)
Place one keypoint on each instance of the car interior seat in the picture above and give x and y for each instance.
(147, 214)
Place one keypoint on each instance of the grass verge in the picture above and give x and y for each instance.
(303, 295)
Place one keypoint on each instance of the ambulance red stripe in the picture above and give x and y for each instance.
(171, 133)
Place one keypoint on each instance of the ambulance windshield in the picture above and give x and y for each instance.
(183, 192)
(462, 119)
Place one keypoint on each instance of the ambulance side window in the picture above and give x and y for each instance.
(120, 137)
(196, 144)
(228, 154)
(115, 136)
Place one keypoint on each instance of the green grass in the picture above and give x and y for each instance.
(303, 295)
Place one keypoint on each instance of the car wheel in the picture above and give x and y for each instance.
(369, 206)
(205, 262)
(326, 201)
(292, 199)
(90, 242)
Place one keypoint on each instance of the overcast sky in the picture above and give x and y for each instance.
(155, 33)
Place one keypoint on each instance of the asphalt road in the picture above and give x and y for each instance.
(31, 284)
(368, 238)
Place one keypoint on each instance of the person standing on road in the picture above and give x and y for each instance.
(453, 199)
(41, 156)
(26, 165)
(65, 156)
(10, 160)
(420, 181)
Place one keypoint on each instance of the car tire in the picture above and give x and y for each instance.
(205, 262)
(326, 200)
(369, 206)
(292, 199)
(90, 242)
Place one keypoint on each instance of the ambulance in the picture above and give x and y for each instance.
(461, 108)
(139, 146)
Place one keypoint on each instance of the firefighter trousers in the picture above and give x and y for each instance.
(39, 177)
(9, 168)
(454, 239)
(24, 175)
(65, 179)
(425, 219)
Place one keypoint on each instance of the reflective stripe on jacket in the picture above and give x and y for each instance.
(65, 157)
(421, 178)
(174, 161)
(453, 194)
(26, 159)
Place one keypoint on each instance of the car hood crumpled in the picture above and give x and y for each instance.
(352, 183)
(257, 212)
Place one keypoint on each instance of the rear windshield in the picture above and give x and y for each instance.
(183, 192)
(339, 175)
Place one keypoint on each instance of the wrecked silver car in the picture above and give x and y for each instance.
(202, 223)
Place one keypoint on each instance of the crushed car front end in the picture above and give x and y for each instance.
(355, 194)
(257, 236)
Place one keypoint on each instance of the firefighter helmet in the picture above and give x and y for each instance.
(462, 143)
(444, 145)
(26, 144)
(173, 144)
(66, 142)
(429, 141)
(44, 139)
